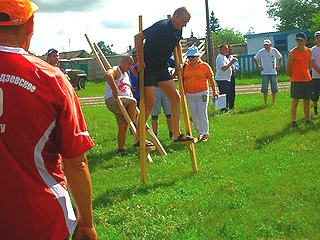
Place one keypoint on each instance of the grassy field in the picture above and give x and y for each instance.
(258, 178)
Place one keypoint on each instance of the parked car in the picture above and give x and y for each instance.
(77, 77)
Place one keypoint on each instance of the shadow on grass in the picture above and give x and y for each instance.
(250, 110)
(107, 160)
(116, 195)
(302, 129)
(213, 112)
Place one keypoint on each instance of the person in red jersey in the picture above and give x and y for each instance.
(41, 129)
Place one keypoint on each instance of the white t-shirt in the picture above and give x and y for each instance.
(123, 85)
(221, 75)
(268, 60)
(315, 54)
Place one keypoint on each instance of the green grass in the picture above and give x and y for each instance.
(258, 178)
(92, 89)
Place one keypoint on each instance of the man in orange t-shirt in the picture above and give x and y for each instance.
(298, 64)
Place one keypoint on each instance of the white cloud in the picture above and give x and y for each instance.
(116, 22)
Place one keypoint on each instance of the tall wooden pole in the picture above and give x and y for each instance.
(142, 117)
(210, 52)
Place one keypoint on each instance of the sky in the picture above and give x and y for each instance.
(61, 24)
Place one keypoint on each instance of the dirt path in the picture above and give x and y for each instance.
(240, 89)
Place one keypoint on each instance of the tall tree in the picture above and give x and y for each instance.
(228, 36)
(292, 14)
(214, 23)
(107, 50)
(315, 26)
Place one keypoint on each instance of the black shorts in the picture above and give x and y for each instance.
(301, 90)
(316, 89)
(152, 77)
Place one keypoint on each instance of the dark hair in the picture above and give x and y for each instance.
(51, 50)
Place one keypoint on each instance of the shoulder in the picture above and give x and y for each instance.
(258, 54)
(114, 71)
(293, 50)
(158, 25)
(204, 64)
(45, 68)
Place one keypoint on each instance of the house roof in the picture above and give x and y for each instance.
(72, 54)
(306, 31)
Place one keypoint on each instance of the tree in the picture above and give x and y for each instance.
(107, 50)
(315, 26)
(292, 14)
(214, 25)
(250, 31)
(228, 36)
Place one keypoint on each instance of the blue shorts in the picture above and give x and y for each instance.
(265, 83)
(152, 77)
(161, 100)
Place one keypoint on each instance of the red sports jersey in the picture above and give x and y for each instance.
(40, 121)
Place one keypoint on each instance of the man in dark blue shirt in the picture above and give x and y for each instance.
(161, 39)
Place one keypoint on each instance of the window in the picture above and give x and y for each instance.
(281, 42)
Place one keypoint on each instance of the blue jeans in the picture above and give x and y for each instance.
(265, 83)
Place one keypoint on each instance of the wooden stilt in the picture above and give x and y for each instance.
(94, 49)
(149, 132)
(142, 117)
(189, 144)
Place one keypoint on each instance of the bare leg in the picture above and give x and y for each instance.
(170, 90)
(150, 96)
(131, 109)
(155, 125)
(306, 109)
(122, 134)
(273, 97)
(169, 124)
(265, 98)
(294, 106)
(315, 104)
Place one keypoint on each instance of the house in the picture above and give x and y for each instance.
(283, 41)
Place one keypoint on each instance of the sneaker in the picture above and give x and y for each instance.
(123, 153)
(315, 114)
(295, 125)
(204, 138)
(309, 122)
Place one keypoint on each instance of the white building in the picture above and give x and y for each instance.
(283, 41)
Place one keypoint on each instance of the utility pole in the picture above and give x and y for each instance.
(210, 51)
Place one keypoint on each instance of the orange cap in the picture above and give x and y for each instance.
(18, 11)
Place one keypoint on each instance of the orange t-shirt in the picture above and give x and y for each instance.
(196, 79)
(300, 65)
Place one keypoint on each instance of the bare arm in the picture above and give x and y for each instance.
(279, 64)
(258, 65)
(314, 65)
(225, 68)
(289, 64)
(213, 86)
(110, 76)
(138, 41)
(79, 184)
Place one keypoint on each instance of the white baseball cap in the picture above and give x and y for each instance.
(267, 42)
